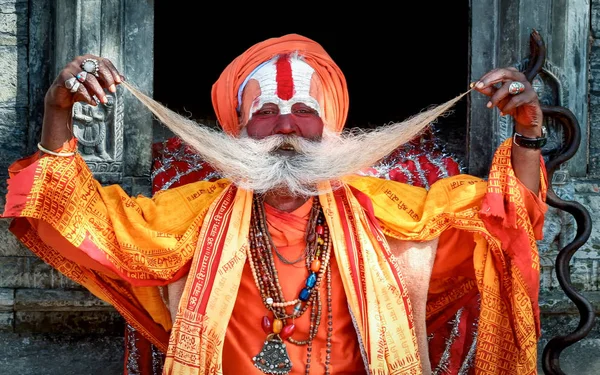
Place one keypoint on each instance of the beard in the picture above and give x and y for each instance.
(293, 164)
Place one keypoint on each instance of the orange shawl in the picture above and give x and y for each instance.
(121, 248)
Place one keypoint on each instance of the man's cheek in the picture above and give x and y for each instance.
(261, 128)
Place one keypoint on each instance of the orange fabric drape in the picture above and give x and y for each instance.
(120, 248)
(488, 232)
(335, 91)
(244, 334)
(93, 235)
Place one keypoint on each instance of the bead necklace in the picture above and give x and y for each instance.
(273, 358)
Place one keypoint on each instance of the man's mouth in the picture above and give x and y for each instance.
(286, 147)
(285, 150)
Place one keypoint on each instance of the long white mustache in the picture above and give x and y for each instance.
(256, 165)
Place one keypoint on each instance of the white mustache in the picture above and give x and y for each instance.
(255, 165)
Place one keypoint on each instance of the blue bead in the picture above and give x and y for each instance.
(298, 307)
(304, 295)
(312, 280)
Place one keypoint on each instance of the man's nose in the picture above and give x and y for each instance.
(285, 125)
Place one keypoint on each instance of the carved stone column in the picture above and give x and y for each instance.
(115, 139)
(500, 37)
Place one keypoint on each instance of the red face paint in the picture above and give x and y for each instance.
(282, 102)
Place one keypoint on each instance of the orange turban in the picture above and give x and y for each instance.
(335, 91)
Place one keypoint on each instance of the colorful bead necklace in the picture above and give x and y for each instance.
(274, 358)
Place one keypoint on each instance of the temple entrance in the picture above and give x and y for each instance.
(393, 71)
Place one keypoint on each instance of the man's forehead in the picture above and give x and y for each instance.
(284, 80)
(285, 76)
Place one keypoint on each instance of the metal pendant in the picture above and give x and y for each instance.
(273, 358)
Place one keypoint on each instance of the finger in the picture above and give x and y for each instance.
(502, 104)
(115, 73)
(499, 95)
(498, 76)
(488, 91)
(93, 87)
(63, 76)
(504, 93)
(102, 74)
(105, 76)
(517, 101)
(80, 93)
(83, 95)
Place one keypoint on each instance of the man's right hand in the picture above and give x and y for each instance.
(60, 97)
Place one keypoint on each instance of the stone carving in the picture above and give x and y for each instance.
(559, 229)
(99, 132)
(90, 129)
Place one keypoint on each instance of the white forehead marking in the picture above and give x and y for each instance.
(266, 76)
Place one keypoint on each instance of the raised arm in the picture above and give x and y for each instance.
(54, 197)
(521, 102)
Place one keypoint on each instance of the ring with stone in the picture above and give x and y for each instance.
(90, 66)
(81, 76)
(69, 83)
(75, 87)
(516, 88)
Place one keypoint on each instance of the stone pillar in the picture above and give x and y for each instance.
(594, 167)
(500, 37)
(114, 139)
(13, 132)
(37, 38)
(13, 85)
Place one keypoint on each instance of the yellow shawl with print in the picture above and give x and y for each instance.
(121, 248)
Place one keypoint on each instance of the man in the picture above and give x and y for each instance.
(294, 263)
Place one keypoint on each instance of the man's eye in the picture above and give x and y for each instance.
(304, 111)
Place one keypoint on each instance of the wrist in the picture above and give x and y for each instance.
(56, 128)
(529, 131)
(535, 142)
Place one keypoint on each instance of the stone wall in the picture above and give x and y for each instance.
(46, 320)
(13, 83)
(559, 314)
(34, 298)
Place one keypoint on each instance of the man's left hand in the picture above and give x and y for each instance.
(523, 105)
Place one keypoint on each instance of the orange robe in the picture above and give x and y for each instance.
(245, 338)
(121, 248)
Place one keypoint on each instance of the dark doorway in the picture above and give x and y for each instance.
(393, 71)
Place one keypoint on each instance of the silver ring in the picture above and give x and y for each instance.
(516, 88)
(75, 87)
(69, 83)
(81, 76)
(90, 66)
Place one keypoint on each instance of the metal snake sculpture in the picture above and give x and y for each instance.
(572, 140)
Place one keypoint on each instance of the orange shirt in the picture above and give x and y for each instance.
(245, 337)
